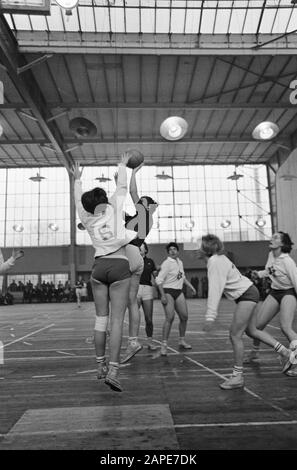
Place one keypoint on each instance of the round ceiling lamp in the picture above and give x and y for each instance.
(266, 130)
(225, 223)
(235, 176)
(82, 127)
(190, 224)
(67, 5)
(163, 176)
(54, 227)
(260, 222)
(174, 128)
(37, 178)
(18, 228)
(103, 178)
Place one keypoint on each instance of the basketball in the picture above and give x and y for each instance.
(135, 159)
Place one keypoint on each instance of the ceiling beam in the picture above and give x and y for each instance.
(180, 106)
(246, 139)
(29, 89)
(67, 42)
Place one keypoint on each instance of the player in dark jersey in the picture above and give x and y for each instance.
(141, 223)
(145, 295)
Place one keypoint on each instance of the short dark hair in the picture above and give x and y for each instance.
(175, 245)
(211, 244)
(287, 242)
(149, 200)
(91, 199)
(145, 247)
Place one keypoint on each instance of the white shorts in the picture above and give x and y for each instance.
(135, 259)
(145, 292)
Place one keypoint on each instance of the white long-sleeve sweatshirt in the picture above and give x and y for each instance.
(223, 277)
(281, 270)
(106, 228)
(5, 265)
(171, 274)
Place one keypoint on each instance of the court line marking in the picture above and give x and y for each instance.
(11, 435)
(42, 376)
(27, 336)
(248, 423)
(67, 354)
(247, 390)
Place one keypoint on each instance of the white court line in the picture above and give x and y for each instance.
(11, 435)
(67, 354)
(30, 334)
(87, 371)
(212, 371)
(225, 425)
(42, 376)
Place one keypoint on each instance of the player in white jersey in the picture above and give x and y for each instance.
(170, 281)
(110, 278)
(282, 271)
(224, 277)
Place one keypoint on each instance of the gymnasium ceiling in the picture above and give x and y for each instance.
(224, 66)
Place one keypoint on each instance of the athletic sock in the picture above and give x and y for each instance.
(280, 349)
(237, 370)
(100, 359)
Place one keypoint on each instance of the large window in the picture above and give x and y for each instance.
(197, 200)
(194, 200)
(34, 213)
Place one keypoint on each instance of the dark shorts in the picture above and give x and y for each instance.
(175, 293)
(109, 270)
(250, 295)
(278, 294)
(137, 242)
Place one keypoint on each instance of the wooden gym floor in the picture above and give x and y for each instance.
(50, 397)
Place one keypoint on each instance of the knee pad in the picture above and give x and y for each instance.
(101, 323)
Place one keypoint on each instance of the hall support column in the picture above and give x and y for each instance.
(72, 248)
(286, 195)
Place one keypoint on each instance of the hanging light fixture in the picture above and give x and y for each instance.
(54, 227)
(80, 226)
(174, 128)
(163, 176)
(260, 222)
(18, 228)
(83, 127)
(190, 224)
(37, 178)
(225, 223)
(67, 5)
(266, 130)
(103, 178)
(235, 176)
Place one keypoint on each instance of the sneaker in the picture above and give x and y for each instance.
(184, 345)
(287, 362)
(102, 370)
(292, 372)
(151, 346)
(163, 350)
(111, 379)
(253, 356)
(235, 381)
(133, 348)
